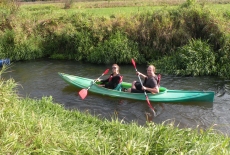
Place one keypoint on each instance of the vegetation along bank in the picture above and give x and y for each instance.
(186, 39)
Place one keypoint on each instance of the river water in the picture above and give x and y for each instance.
(40, 78)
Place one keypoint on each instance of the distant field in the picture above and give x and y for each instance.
(130, 2)
(118, 10)
(105, 8)
(136, 9)
(57, 8)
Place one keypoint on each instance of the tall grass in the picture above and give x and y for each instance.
(40, 126)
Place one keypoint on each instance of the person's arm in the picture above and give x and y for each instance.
(153, 87)
(104, 81)
(141, 75)
(152, 90)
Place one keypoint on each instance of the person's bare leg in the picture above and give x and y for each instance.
(133, 87)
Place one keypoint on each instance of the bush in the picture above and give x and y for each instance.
(196, 58)
(18, 46)
(117, 49)
(223, 60)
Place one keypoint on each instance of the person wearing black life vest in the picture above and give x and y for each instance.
(150, 84)
(114, 79)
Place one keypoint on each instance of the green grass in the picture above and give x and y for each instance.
(119, 10)
(219, 7)
(48, 10)
(29, 126)
(56, 9)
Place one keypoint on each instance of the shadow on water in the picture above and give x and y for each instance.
(40, 78)
(70, 89)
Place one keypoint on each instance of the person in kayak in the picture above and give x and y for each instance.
(150, 84)
(114, 79)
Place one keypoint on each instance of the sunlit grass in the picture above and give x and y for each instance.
(48, 10)
(93, 8)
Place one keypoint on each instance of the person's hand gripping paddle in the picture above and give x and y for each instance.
(146, 96)
(83, 93)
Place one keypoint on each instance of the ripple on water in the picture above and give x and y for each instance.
(39, 78)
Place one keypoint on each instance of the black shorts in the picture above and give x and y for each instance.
(138, 88)
(138, 85)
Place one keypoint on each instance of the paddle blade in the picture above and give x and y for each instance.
(150, 106)
(83, 93)
(106, 71)
(133, 62)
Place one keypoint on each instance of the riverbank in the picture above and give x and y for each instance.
(170, 37)
(35, 125)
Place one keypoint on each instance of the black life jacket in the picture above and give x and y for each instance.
(111, 76)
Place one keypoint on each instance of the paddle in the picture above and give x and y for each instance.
(83, 93)
(147, 98)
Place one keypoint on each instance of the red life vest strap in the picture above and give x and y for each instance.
(110, 78)
(158, 79)
(121, 77)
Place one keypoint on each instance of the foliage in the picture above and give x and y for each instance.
(189, 3)
(6, 43)
(117, 49)
(154, 34)
(223, 60)
(196, 58)
(68, 4)
(8, 10)
(227, 14)
(19, 47)
(74, 45)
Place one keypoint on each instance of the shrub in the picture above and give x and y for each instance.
(117, 49)
(223, 60)
(195, 58)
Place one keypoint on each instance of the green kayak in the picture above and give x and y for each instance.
(165, 94)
